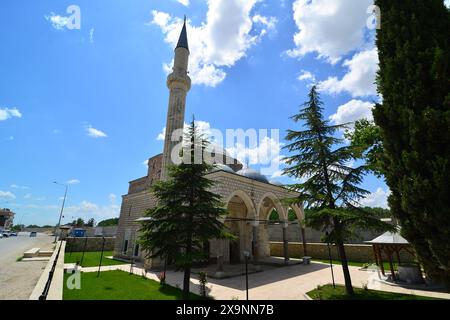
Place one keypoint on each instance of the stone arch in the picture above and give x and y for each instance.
(264, 211)
(300, 213)
(240, 207)
(246, 199)
(277, 205)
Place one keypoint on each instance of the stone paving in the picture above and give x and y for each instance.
(284, 283)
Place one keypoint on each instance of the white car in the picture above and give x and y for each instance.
(1, 234)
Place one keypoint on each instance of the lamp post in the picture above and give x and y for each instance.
(331, 260)
(246, 255)
(62, 207)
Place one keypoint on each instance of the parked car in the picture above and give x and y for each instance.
(5, 234)
(1, 235)
(33, 234)
(13, 234)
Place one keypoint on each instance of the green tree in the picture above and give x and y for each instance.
(366, 139)
(109, 222)
(187, 214)
(90, 223)
(414, 117)
(79, 223)
(330, 190)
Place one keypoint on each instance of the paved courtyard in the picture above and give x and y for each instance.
(284, 283)
(18, 279)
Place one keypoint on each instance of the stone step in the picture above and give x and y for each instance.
(32, 253)
(45, 253)
(35, 259)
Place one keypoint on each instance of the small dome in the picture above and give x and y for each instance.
(253, 174)
(222, 167)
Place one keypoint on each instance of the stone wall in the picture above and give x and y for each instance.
(311, 235)
(355, 252)
(93, 244)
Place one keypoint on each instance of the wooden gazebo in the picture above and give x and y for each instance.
(390, 244)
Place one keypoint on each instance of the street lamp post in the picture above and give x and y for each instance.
(246, 255)
(62, 207)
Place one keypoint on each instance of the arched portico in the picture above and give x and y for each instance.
(241, 215)
(269, 201)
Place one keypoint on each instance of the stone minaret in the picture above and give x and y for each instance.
(179, 84)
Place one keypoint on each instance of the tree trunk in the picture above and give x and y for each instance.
(347, 278)
(186, 282)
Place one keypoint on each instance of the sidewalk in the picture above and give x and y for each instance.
(285, 283)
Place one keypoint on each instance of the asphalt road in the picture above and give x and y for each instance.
(18, 279)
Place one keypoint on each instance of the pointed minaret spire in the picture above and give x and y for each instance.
(179, 85)
(183, 40)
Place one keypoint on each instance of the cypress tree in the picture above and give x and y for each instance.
(414, 117)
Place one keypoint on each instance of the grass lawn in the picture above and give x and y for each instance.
(329, 293)
(91, 259)
(119, 285)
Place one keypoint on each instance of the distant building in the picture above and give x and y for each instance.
(6, 218)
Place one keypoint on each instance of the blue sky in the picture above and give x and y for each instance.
(86, 105)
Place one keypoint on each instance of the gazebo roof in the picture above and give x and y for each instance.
(389, 238)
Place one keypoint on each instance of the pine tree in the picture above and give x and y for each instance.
(414, 117)
(331, 190)
(187, 214)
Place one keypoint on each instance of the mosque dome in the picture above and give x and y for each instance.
(253, 174)
(222, 167)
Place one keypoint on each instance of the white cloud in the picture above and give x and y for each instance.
(184, 2)
(7, 195)
(29, 196)
(112, 198)
(265, 154)
(329, 28)
(162, 135)
(95, 133)
(10, 138)
(307, 76)
(15, 186)
(202, 126)
(352, 111)
(87, 210)
(447, 3)
(7, 113)
(377, 199)
(73, 181)
(91, 35)
(58, 22)
(359, 81)
(219, 42)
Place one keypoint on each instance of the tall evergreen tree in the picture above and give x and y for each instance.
(187, 214)
(365, 137)
(414, 117)
(331, 190)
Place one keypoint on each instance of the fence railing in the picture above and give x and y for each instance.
(44, 293)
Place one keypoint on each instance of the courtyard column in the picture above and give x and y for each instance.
(285, 243)
(255, 243)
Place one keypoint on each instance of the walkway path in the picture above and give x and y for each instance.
(286, 283)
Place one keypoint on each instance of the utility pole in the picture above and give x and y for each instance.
(62, 207)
